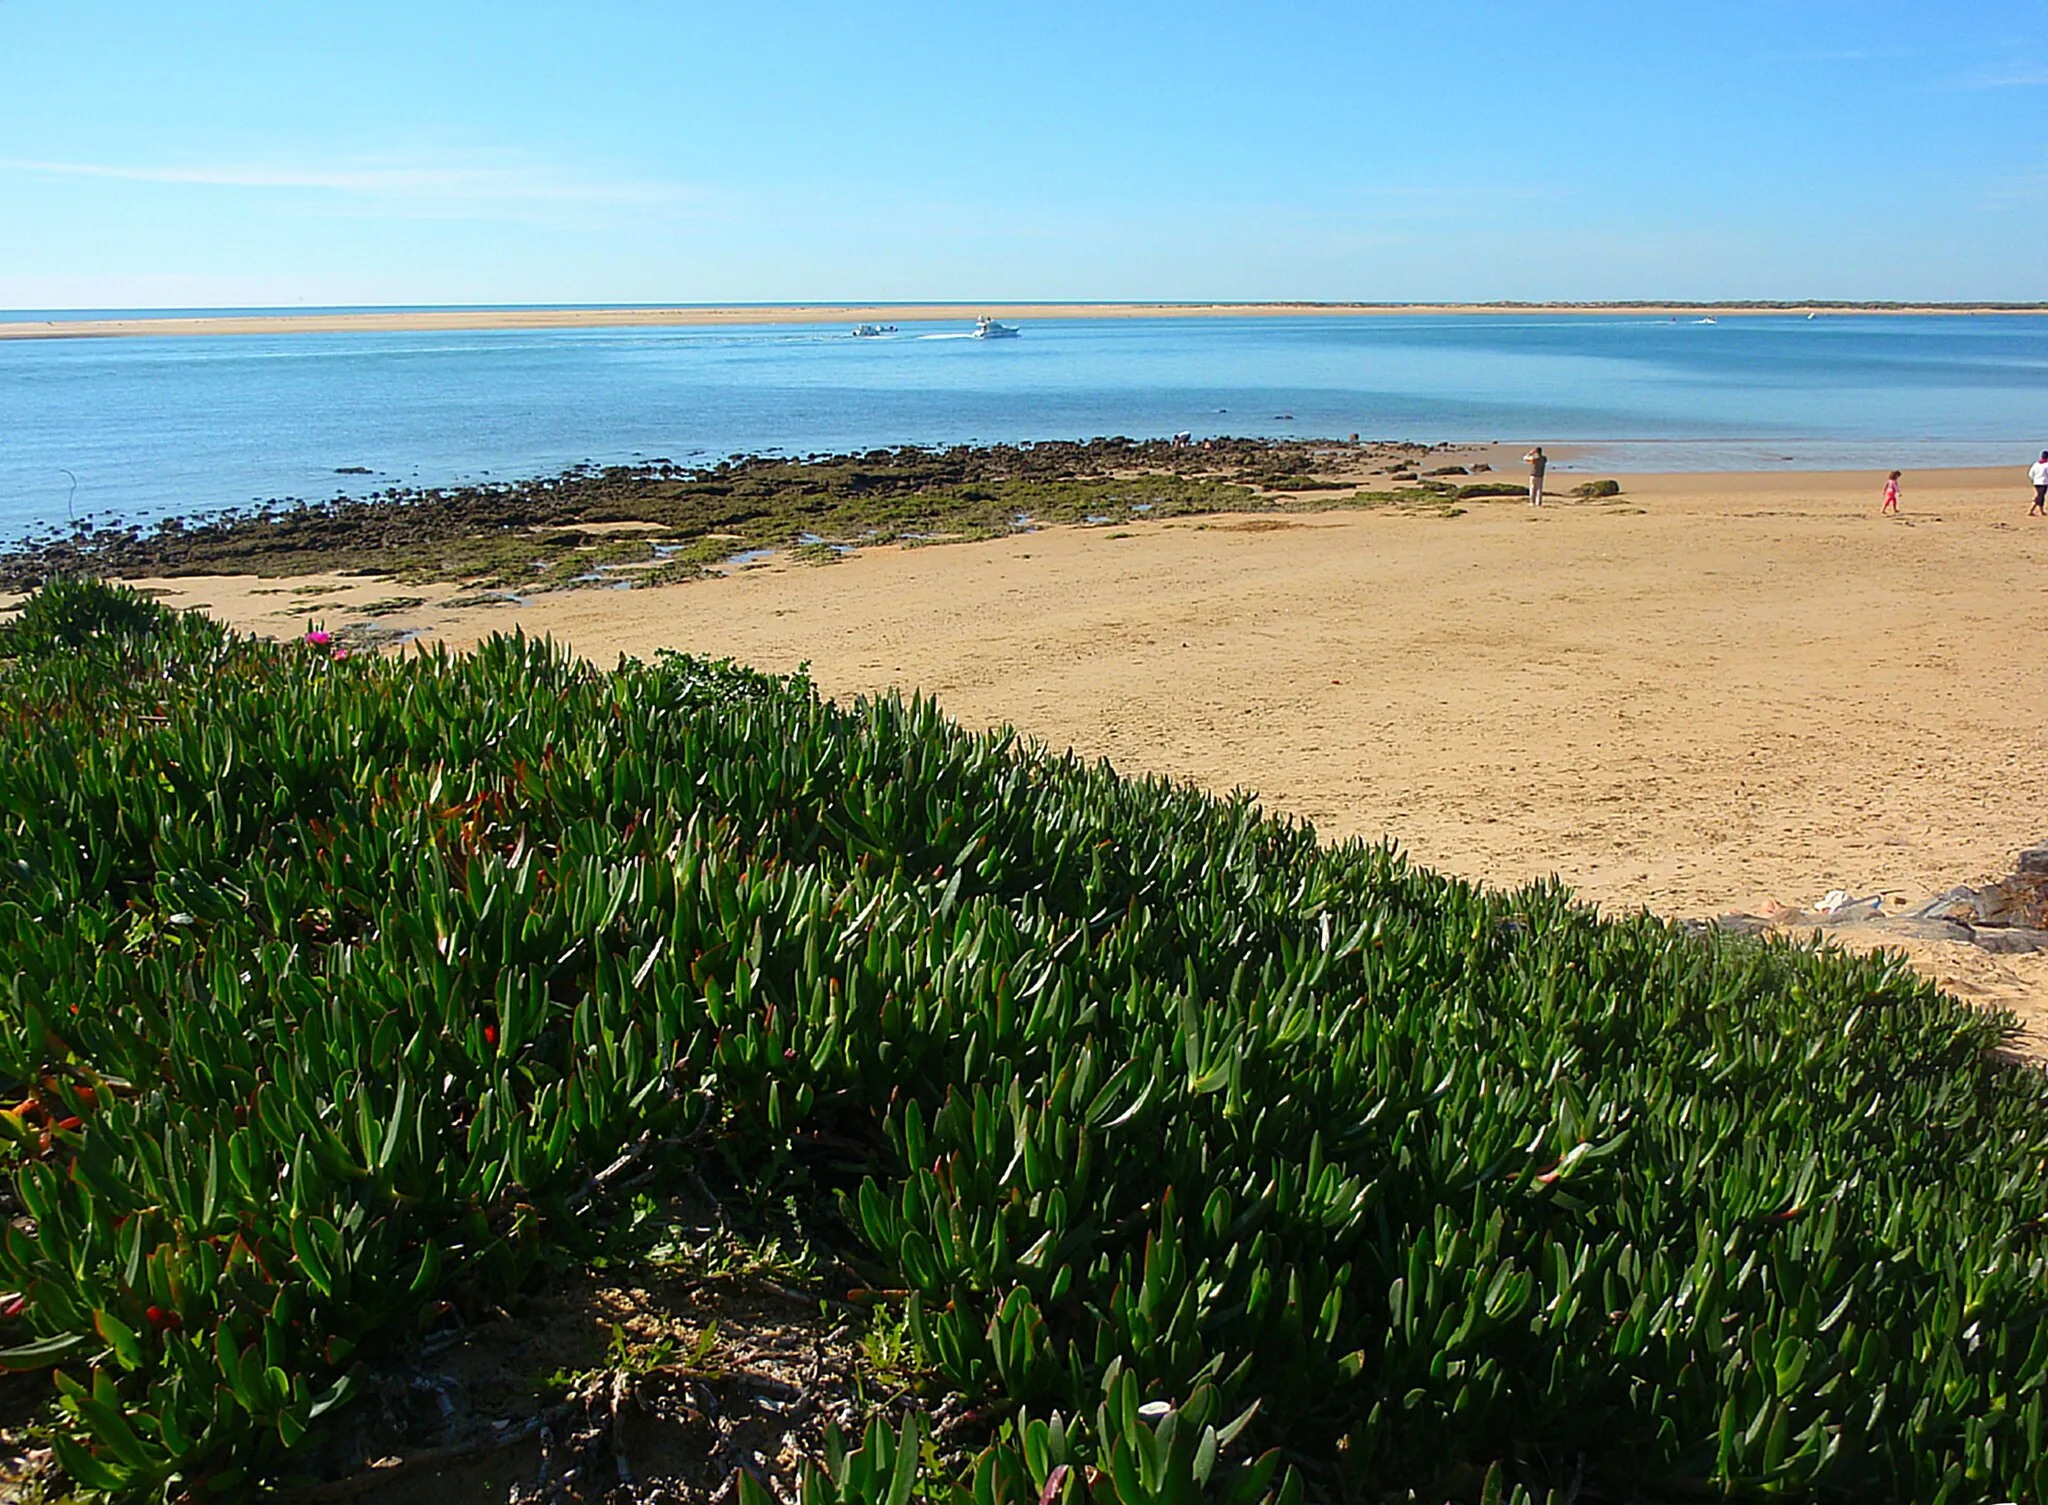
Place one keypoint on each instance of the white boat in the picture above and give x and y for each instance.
(869, 331)
(986, 328)
(1706, 321)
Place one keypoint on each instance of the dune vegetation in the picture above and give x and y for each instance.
(1197, 1159)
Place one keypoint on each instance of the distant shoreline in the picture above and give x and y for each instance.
(406, 320)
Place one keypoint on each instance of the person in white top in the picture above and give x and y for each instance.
(2038, 474)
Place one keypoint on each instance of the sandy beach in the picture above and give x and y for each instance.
(399, 320)
(1714, 692)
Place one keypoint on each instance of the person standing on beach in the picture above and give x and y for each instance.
(1891, 495)
(1536, 460)
(2038, 474)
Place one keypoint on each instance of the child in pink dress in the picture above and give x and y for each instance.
(1891, 495)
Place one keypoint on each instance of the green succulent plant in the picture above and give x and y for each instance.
(330, 989)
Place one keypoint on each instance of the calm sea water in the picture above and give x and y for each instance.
(142, 428)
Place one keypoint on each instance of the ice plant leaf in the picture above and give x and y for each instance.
(44, 1352)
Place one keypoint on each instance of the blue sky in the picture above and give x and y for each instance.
(208, 154)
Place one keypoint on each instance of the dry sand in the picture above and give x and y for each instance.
(1714, 692)
(416, 319)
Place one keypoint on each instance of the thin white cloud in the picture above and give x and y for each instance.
(379, 180)
(2026, 77)
(1843, 55)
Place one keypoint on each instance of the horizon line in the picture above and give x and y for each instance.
(836, 304)
(80, 324)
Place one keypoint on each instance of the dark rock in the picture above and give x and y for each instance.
(2034, 860)
(2021, 899)
(1999, 905)
(2010, 940)
(1956, 904)
(1932, 930)
(1734, 924)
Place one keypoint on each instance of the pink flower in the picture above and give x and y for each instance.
(341, 655)
(318, 638)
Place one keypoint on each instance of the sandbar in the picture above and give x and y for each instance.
(420, 320)
(1712, 692)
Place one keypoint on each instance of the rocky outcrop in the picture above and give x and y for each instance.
(2009, 916)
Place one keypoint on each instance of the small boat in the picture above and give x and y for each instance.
(1706, 321)
(869, 331)
(986, 328)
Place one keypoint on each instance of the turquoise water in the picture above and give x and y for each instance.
(142, 428)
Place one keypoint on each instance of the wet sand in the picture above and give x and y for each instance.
(1713, 692)
(416, 320)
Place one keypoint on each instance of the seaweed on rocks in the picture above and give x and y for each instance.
(675, 522)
